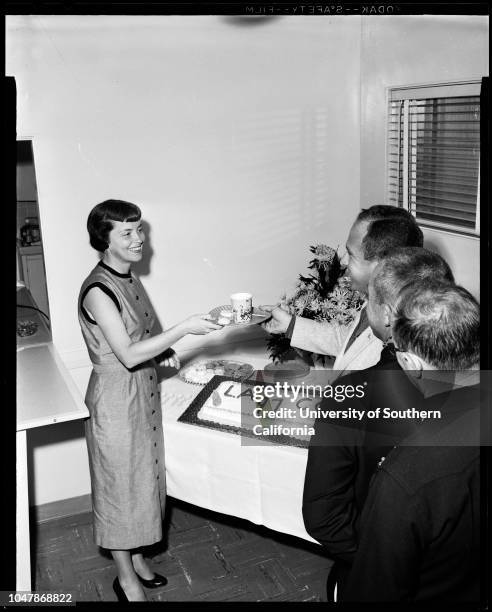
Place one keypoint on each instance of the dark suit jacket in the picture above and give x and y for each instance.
(343, 455)
(420, 527)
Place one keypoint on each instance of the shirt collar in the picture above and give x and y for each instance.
(113, 271)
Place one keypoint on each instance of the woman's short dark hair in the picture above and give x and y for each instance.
(99, 222)
(388, 227)
(440, 323)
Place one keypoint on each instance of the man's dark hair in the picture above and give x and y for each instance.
(404, 266)
(440, 323)
(99, 222)
(388, 227)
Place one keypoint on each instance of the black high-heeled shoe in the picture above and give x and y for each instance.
(153, 583)
(118, 589)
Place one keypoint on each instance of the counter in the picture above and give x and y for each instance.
(46, 394)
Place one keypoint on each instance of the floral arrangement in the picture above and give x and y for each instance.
(325, 295)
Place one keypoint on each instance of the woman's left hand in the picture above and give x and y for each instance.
(172, 362)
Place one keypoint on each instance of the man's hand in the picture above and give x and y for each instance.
(279, 321)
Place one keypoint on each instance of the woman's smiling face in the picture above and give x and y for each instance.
(126, 241)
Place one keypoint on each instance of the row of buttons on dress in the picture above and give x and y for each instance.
(147, 331)
(152, 393)
(154, 428)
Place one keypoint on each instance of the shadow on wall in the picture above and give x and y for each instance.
(142, 268)
(285, 169)
(437, 247)
(465, 268)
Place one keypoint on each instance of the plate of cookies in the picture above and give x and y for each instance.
(202, 371)
(223, 315)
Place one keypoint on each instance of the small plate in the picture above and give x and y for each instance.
(26, 327)
(286, 371)
(234, 370)
(258, 316)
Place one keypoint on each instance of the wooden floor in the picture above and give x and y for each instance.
(207, 557)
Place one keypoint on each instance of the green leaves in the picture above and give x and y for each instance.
(325, 295)
(279, 348)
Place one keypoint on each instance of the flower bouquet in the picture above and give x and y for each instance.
(325, 295)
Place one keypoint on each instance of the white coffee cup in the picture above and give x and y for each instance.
(242, 307)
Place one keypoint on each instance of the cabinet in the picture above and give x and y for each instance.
(34, 275)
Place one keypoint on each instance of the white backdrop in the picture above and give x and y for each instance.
(240, 143)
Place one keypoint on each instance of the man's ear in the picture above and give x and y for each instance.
(412, 363)
(387, 316)
(373, 264)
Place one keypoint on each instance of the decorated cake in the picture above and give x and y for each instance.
(233, 404)
(224, 406)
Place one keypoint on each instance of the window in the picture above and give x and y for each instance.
(433, 154)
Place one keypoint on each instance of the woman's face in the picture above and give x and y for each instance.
(126, 240)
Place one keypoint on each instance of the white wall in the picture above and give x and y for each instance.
(239, 139)
(408, 50)
(223, 133)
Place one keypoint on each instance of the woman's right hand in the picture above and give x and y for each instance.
(200, 324)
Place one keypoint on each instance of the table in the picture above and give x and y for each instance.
(216, 470)
(46, 394)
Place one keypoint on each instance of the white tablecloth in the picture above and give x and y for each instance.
(216, 470)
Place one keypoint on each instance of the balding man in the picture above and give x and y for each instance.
(420, 526)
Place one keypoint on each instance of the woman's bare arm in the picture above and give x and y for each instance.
(103, 310)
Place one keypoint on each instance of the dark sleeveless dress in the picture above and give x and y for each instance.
(124, 431)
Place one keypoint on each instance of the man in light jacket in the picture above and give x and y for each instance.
(376, 230)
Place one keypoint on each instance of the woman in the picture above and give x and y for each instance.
(124, 431)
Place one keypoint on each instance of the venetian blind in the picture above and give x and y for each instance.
(433, 154)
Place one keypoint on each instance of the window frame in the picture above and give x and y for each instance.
(424, 91)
